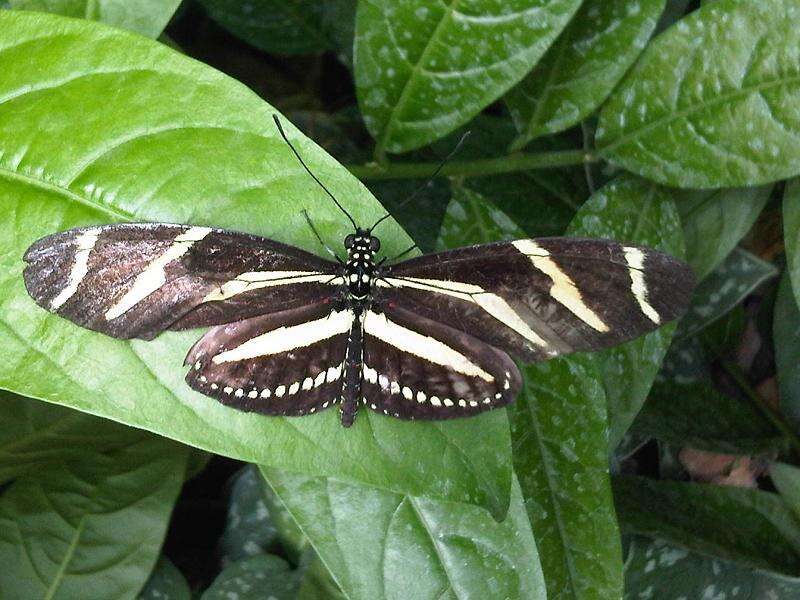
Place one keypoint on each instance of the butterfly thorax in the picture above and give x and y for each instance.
(360, 265)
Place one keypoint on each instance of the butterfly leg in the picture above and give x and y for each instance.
(353, 371)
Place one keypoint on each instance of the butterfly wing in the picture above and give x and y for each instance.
(136, 280)
(288, 363)
(418, 368)
(540, 298)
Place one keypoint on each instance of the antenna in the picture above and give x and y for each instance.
(305, 166)
(427, 183)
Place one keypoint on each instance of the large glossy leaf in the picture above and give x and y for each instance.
(582, 67)
(754, 528)
(559, 429)
(632, 210)
(714, 221)
(738, 276)
(656, 569)
(714, 101)
(786, 332)
(148, 17)
(380, 545)
(424, 68)
(73, 154)
(280, 26)
(90, 528)
(34, 434)
(791, 232)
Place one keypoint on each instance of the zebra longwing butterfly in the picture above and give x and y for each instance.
(291, 333)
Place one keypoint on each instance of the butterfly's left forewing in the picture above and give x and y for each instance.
(136, 280)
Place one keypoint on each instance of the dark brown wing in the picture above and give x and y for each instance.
(288, 363)
(416, 368)
(540, 298)
(136, 280)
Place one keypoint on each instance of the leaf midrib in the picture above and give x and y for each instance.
(62, 569)
(690, 110)
(69, 194)
(546, 465)
(390, 123)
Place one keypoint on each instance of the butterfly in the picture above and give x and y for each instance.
(430, 337)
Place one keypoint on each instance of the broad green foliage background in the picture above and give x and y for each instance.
(424, 68)
(654, 122)
(148, 17)
(678, 117)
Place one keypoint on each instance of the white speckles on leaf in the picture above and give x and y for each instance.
(699, 102)
(451, 61)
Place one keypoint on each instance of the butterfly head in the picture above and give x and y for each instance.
(361, 248)
(362, 242)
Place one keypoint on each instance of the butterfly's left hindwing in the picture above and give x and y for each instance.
(136, 280)
(288, 363)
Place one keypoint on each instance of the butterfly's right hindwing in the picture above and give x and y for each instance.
(136, 280)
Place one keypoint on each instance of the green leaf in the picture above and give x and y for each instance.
(582, 67)
(377, 543)
(714, 101)
(542, 203)
(148, 17)
(791, 232)
(559, 428)
(714, 221)
(166, 583)
(34, 435)
(470, 219)
(656, 569)
(632, 210)
(255, 578)
(748, 526)
(249, 529)
(736, 278)
(71, 154)
(279, 26)
(674, 10)
(89, 528)
(787, 479)
(424, 68)
(697, 415)
(317, 584)
(422, 217)
(786, 333)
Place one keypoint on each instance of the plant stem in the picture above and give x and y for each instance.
(774, 417)
(473, 168)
